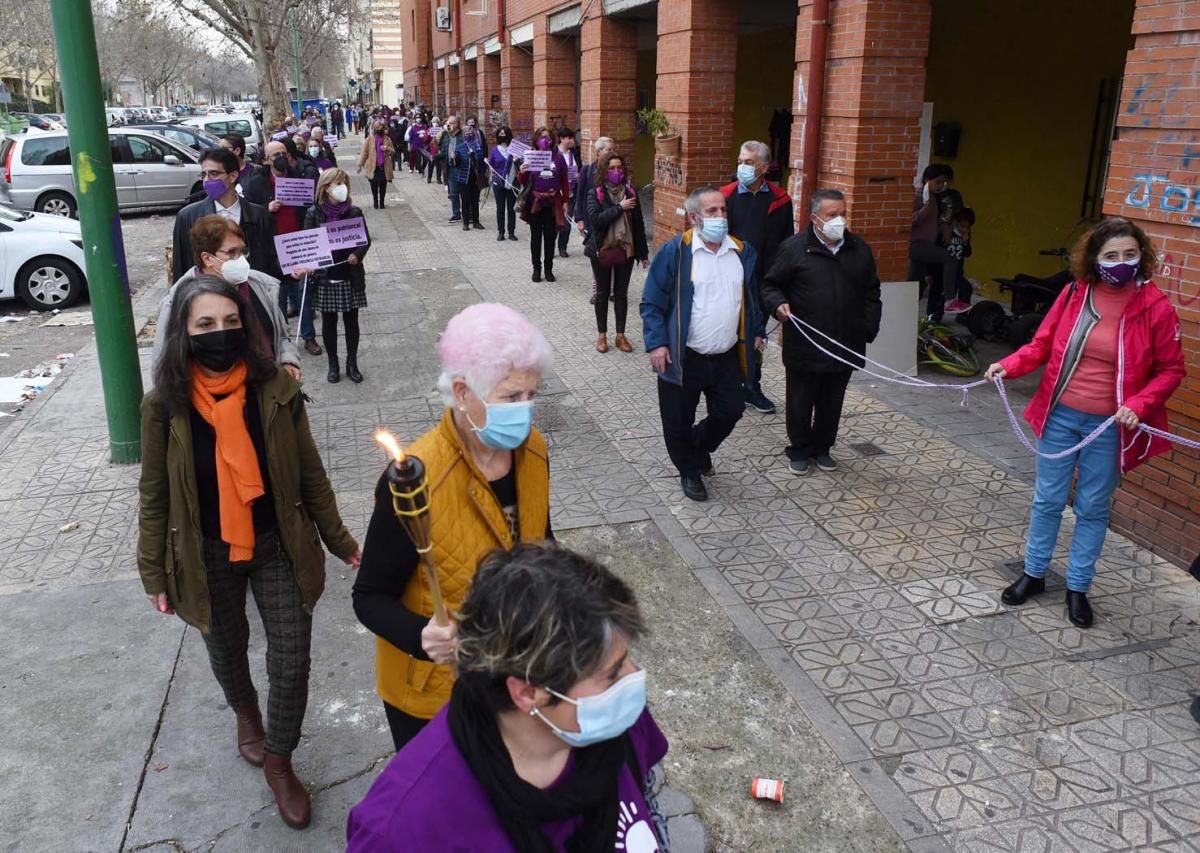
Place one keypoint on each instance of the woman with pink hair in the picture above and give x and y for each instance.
(489, 487)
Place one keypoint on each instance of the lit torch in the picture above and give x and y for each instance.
(410, 501)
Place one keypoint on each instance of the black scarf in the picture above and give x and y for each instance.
(590, 792)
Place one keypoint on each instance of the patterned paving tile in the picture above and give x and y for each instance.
(949, 598)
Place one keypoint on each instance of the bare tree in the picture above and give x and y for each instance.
(162, 54)
(27, 45)
(261, 30)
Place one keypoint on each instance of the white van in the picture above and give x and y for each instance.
(219, 124)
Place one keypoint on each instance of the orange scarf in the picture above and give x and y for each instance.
(239, 481)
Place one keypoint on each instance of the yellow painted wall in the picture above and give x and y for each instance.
(643, 147)
(766, 69)
(1021, 77)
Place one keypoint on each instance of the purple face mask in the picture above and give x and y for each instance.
(614, 176)
(1118, 274)
(214, 189)
(545, 143)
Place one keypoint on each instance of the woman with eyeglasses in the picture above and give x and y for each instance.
(220, 251)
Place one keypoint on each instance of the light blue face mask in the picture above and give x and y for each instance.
(714, 228)
(606, 715)
(746, 174)
(507, 426)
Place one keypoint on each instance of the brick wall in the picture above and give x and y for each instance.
(488, 87)
(874, 88)
(418, 75)
(555, 79)
(1154, 178)
(608, 85)
(469, 74)
(516, 87)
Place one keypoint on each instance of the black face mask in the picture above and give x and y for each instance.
(280, 163)
(219, 351)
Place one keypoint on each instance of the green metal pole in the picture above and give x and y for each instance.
(104, 248)
(296, 54)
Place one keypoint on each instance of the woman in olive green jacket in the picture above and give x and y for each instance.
(233, 493)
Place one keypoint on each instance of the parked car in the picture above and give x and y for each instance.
(39, 121)
(220, 124)
(193, 137)
(115, 115)
(58, 117)
(41, 259)
(150, 171)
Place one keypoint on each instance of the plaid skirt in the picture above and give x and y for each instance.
(338, 296)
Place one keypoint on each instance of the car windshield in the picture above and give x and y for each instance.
(7, 214)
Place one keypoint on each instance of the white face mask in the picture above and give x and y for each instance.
(835, 229)
(236, 271)
(339, 193)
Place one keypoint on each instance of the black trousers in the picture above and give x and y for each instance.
(931, 258)
(468, 194)
(813, 411)
(506, 201)
(404, 726)
(542, 231)
(719, 379)
(378, 186)
(614, 281)
(564, 234)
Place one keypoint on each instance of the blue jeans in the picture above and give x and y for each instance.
(1098, 477)
(454, 190)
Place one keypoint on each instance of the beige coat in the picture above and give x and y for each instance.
(366, 160)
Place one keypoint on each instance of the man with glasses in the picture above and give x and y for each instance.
(219, 170)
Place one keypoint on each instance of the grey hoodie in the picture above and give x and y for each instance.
(265, 289)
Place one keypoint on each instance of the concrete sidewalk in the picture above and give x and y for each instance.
(841, 631)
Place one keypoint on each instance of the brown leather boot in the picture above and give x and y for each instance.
(622, 343)
(291, 797)
(250, 734)
(602, 343)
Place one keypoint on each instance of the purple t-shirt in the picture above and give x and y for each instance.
(428, 799)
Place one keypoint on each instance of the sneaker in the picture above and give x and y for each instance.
(759, 401)
(957, 306)
(800, 467)
(825, 462)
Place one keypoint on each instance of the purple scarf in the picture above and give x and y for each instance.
(335, 210)
(379, 149)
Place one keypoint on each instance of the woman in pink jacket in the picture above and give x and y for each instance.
(1111, 346)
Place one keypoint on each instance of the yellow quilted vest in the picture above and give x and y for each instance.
(467, 522)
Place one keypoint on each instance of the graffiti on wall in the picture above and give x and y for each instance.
(1169, 278)
(668, 172)
(1156, 192)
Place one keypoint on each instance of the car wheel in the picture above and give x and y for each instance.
(48, 282)
(56, 204)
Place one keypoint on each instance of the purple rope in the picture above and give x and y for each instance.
(1012, 419)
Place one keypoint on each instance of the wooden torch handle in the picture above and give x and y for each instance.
(435, 591)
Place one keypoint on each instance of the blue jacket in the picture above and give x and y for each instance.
(667, 304)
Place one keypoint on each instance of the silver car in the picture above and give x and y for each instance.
(150, 171)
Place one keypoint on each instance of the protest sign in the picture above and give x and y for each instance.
(303, 249)
(539, 160)
(331, 138)
(517, 149)
(347, 233)
(291, 129)
(572, 172)
(294, 192)
(281, 135)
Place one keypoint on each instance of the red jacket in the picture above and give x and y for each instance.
(1150, 363)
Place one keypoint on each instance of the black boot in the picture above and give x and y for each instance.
(335, 374)
(352, 370)
(1025, 587)
(550, 273)
(537, 273)
(1078, 609)
(500, 237)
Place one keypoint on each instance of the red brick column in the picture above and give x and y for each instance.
(488, 86)
(554, 81)
(697, 63)
(454, 88)
(443, 94)
(874, 88)
(608, 85)
(1153, 179)
(469, 74)
(516, 87)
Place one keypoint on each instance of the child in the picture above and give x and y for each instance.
(959, 247)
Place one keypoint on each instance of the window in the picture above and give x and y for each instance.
(179, 136)
(220, 128)
(46, 151)
(146, 150)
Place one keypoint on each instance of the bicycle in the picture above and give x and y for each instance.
(945, 348)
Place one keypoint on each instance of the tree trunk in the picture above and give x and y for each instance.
(269, 70)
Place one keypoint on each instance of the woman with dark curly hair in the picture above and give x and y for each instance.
(546, 744)
(1111, 346)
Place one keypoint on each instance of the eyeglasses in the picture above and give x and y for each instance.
(213, 174)
(233, 254)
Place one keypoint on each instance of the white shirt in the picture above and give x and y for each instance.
(717, 279)
(233, 213)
